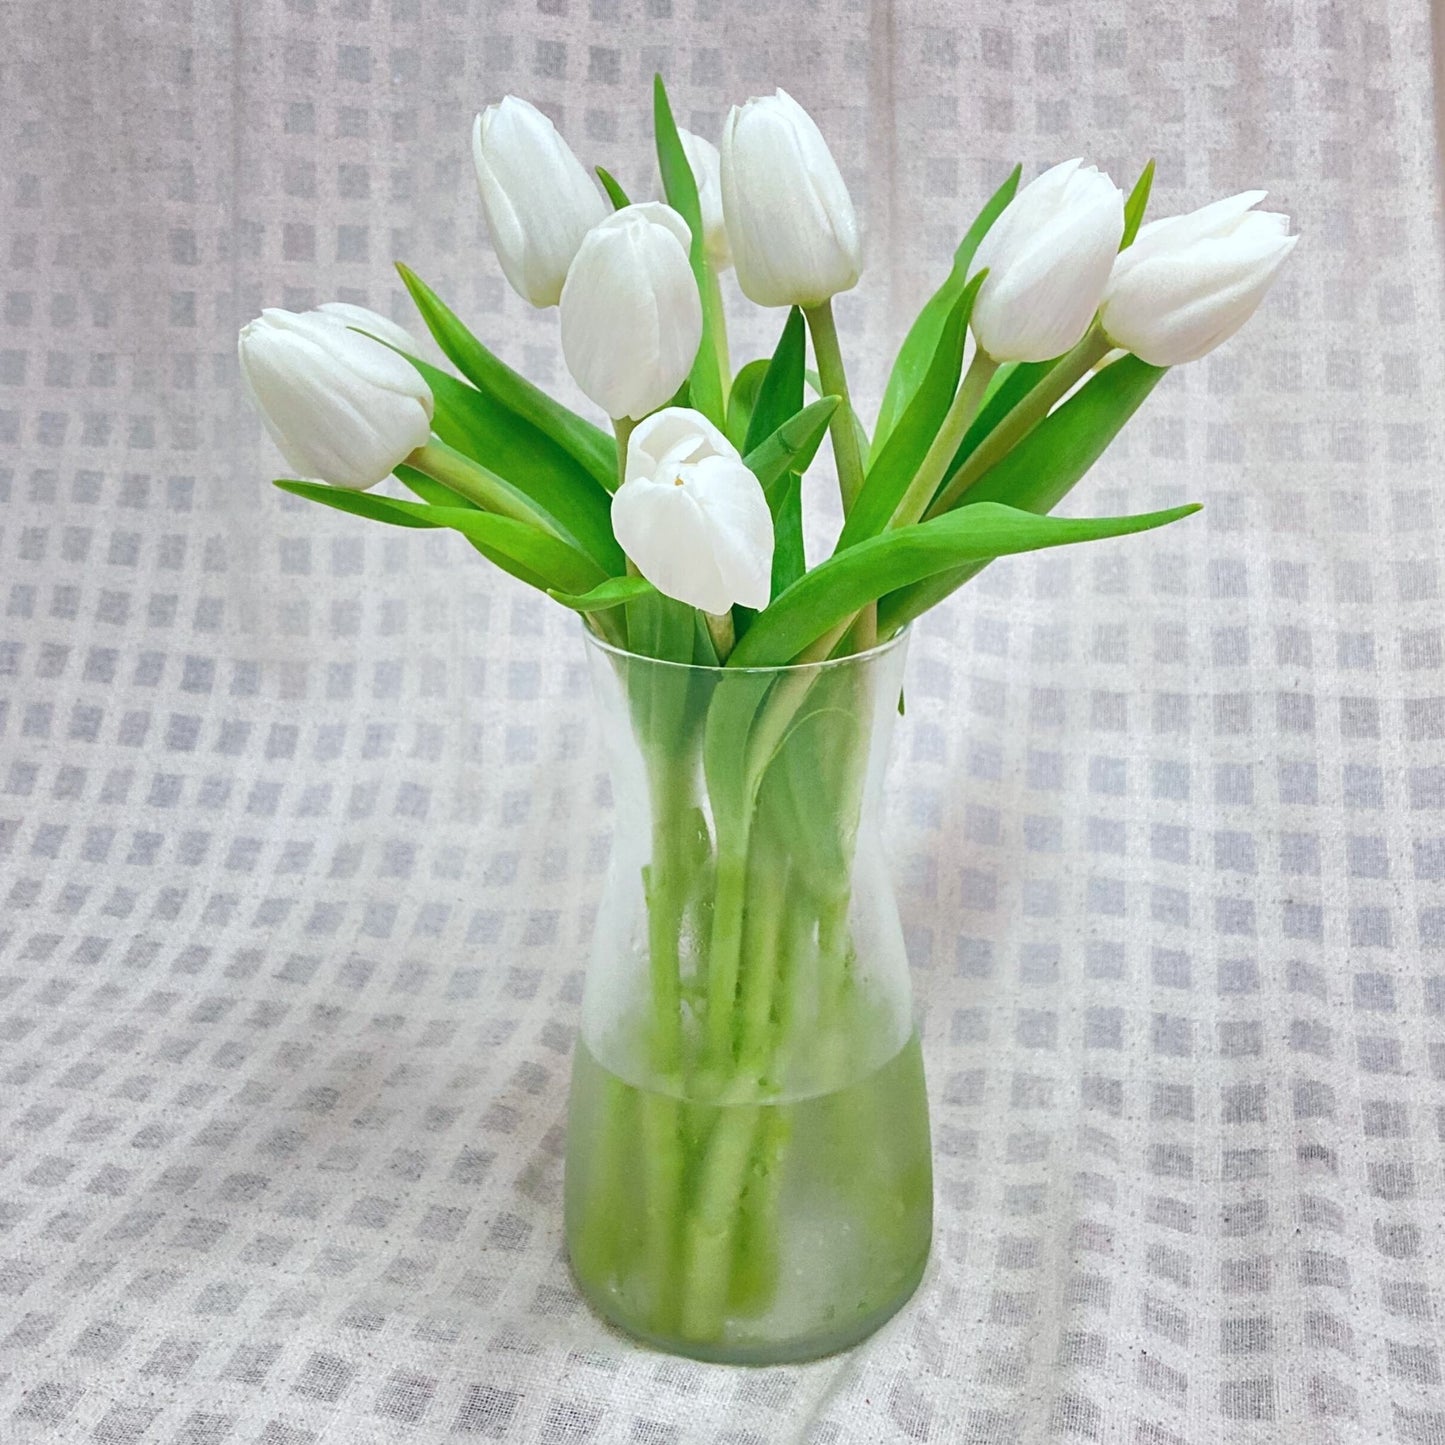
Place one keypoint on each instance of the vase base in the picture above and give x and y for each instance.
(800, 1350)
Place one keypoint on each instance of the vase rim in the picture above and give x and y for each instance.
(878, 650)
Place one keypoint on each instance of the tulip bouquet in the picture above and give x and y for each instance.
(679, 539)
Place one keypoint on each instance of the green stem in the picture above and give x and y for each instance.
(720, 630)
(1031, 410)
(708, 1237)
(469, 479)
(717, 315)
(622, 427)
(945, 444)
(835, 383)
(724, 957)
(766, 906)
(664, 891)
(662, 1197)
(834, 980)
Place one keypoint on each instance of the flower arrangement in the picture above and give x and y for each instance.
(749, 969)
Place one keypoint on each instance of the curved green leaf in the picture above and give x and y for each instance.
(615, 193)
(1040, 471)
(530, 553)
(587, 444)
(705, 381)
(611, 593)
(1013, 382)
(792, 447)
(549, 477)
(1135, 206)
(898, 460)
(780, 394)
(789, 562)
(429, 489)
(849, 580)
(780, 398)
(815, 382)
(919, 346)
(742, 397)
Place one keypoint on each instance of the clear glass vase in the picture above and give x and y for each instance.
(749, 1174)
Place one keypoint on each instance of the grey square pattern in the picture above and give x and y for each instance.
(303, 823)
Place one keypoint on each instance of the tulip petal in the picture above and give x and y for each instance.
(1048, 258)
(791, 223)
(339, 405)
(538, 198)
(670, 437)
(372, 322)
(699, 530)
(631, 314)
(1194, 280)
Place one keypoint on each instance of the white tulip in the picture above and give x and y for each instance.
(703, 159)
(790, 220)
(691, 516)
(1048, 258)
(339, 405)
(1189, 282)
(631, 315)
(538, 199)
(345, 313)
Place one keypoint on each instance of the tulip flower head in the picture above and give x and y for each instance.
(702, 157)
(790, 220)
(1190, 282)
(538, 199)
(691, 516)
(346, 313)
(339, 406)
(1048, 257)
(631, 314)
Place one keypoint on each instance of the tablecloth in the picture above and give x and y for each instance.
(303, 822)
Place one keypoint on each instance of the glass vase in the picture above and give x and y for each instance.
(749, 1174)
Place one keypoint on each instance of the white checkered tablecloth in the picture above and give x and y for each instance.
(303, 822)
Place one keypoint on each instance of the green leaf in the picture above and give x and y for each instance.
(1135, 205)
(1040, 471)
(792, 447)
(780, 394)
(662, 627)
(859, 430)
(611, 593)
(522, 549)
(921, 342)
(1014, 381)
(680, 185)
(615, 193)
(742, 397)
(429, 489)
(898, 460)
(780, 399)
(848, 581)
(529, 460)
(788, 561)
(585, 443)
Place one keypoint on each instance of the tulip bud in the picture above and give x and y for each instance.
(538, 200)
(691, 516)
(1189, 282)
(1048, 258)
(373, 323)
(790, 220)
(631, 315)
(702, 157)
(339, 405)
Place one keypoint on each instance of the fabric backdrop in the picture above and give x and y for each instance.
(303, 822)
